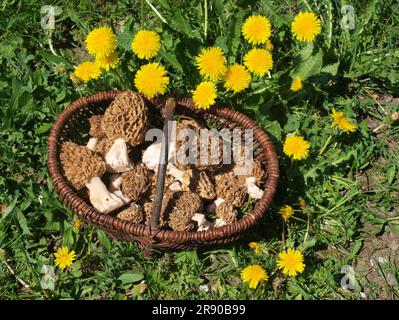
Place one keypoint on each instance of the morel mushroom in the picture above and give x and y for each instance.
(253, 179)
(202, 184)
(126, 118)
(82, 167)
(179, 220)
(103, 146)
(167, 205)
(185, 128)
(134, 214)
(135, 182)
(96, 130)
(229, 188)
(124, 122)
(117, 158)
(187, 204)
(226, 214)
(115, 186)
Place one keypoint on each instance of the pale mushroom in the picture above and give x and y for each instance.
(114, 182)
(82, 167)
(151, 157)
(202, 222)
(124, 122)
(92, 143)
(117, 158)
(115, 186)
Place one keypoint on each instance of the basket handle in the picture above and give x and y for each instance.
(168, 113)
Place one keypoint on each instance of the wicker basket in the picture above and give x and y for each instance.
(72, 124)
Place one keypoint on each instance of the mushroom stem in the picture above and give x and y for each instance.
(115, 182)
(114, 186)
(202, 221)
(180, 175)
(91, 144)
(117, 158)
(101, 199)
(211, 208)
(253, 190)
(152, 154)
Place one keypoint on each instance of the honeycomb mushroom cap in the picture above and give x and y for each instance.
(135, 182)
(182, 152)
(126, 118)
(134, 214)
(226, 212)
(258, 172)
(80, 164)
(96, 130)
(230, 188)
(206, 187)
(179, 220)
(189, 202)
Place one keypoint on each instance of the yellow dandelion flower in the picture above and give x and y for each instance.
(286, 212)
(306, 26)
(302, 203)
(86, 71)
(237, 78)
(151, 80)
(64, 258)
(253, 274)
(77, 224)
(101, 42)
(341, 122)
(256, 29)
(211, 63)
(108, 62)
(296, 84)
(255, 246)
(296, 147)
(258, 61)
(291, 262)
(146, 44)
(269, 45)
(205, 94)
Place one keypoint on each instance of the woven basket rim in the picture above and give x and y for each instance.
(89, 213)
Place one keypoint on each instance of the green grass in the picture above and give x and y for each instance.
(350, 188)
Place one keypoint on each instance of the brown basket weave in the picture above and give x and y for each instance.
(72, 124)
